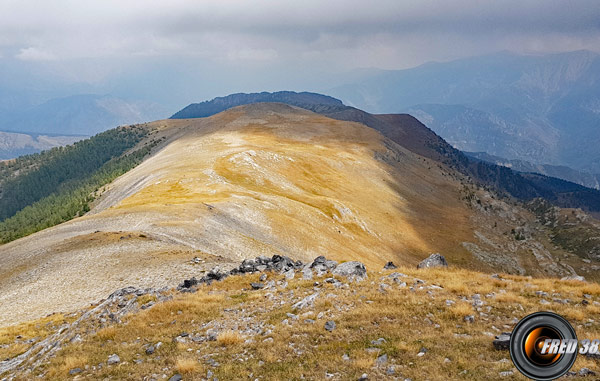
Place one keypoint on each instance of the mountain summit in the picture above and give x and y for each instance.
(273, 179)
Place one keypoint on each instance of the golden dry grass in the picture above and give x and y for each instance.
(406, 319)
(13, 339)
(229, 338)
(187, 365)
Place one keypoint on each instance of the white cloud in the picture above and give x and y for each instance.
(35, 54)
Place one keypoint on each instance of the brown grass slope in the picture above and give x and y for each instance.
(382, 324)
(266, 179)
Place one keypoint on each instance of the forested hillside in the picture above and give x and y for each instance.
(41, 190)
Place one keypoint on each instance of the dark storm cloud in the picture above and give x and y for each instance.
(346, 33)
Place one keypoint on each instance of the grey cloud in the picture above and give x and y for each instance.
(392, 32)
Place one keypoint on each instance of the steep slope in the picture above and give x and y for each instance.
(263, 179)
(410, 133)
(270, 179)
(393, 326)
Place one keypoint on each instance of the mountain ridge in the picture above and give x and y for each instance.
(266, 179)
(429, 144)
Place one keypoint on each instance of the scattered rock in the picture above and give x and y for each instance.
(307, 273)
(256, 286)
(354, 271)
(364, 377)
(469, 319)
(390, 266)
(75, 371)
(113, 359)
(379, 341)
(150, 350)
(322, 265)
(506, 373)
(306, 302)
(176, 377)
(330, 325)
(502, 341)
(211, 335)
(574, 277)
(382, 360)
(584, 372)
(434, 260)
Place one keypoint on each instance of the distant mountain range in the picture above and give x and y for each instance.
(85, 114)
(26, 129)
(560, 171)
(13, 144)
(541, 109)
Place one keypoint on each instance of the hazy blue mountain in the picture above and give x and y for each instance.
(14, 144)
(590, 180)
(81, 115)
(543, 109)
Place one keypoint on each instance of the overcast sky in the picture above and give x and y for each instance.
(293, 37)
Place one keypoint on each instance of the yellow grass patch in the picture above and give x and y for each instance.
(230, 338)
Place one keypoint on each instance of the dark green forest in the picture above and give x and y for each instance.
(42, 190)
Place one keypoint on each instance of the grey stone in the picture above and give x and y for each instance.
(584, 372)
(330, 325)
(379, 341)
(574, 277)
(150, 350)
(113, 359)
(176, 377)
(390, 266)
(434, 260)
(354, 271)
(307, 273)
(211, 335)
(306, 302)
(75, 371)
(382, 360)
(502, 342)
(256, 286)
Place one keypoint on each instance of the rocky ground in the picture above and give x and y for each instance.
(275, 318)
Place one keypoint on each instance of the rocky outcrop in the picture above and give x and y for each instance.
(108, 311)
(502, 341)
(434, 260)
(353, 271)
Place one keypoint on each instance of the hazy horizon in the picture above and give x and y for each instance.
(187, 51)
